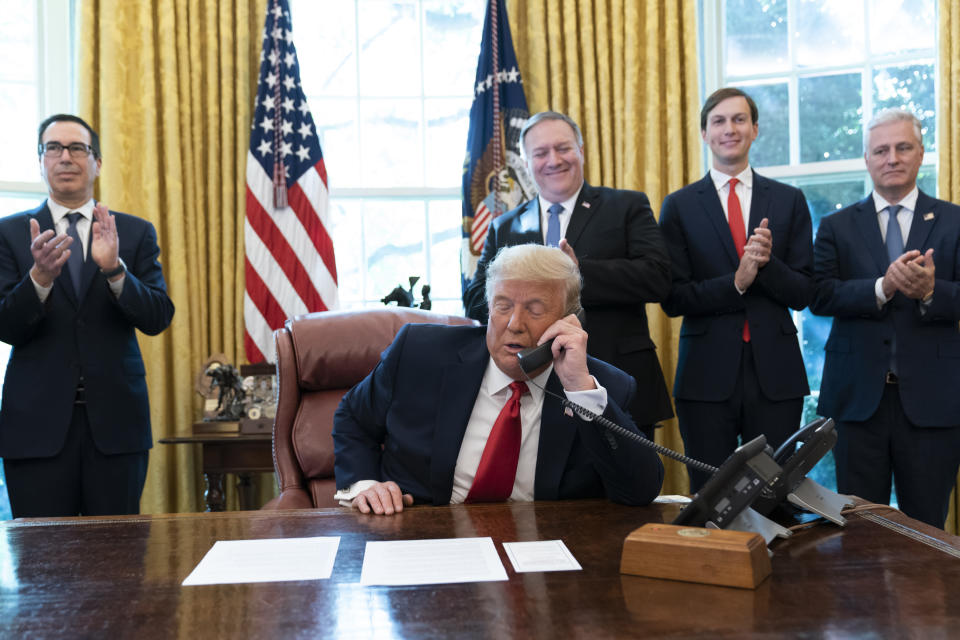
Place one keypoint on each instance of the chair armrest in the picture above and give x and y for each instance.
(295, 498)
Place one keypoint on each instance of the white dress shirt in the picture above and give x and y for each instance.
(905, 217)
(564, 215)
(744, 191)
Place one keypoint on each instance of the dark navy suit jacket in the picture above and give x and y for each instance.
(624, 265)
(704, 261)
(64, 338)
(406, 420)
(849, 257)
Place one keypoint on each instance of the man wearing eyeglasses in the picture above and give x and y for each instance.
(76, 280)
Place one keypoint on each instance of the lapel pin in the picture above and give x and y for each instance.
(586, 205)
(567, 411)
(928, 216)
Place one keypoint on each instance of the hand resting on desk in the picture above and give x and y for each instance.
(383, 498)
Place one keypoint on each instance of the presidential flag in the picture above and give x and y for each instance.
(494, 177)
(290, 267)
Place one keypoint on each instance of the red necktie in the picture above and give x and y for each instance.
(738, 231)
(498, 464)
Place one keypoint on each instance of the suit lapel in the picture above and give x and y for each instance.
(557, 432)
(924, 218)
(587, 203)
(865, 217)
(528, 222)
(759, 202)
(458, 392)
(713, 212)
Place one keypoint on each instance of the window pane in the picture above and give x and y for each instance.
(325, 36)
(451, 44)
(346, 223)
(390, 143)
(830, 117)
(772, 146)
(756, 39)
(14, 203)
(897, 26)
(829, 32)
(927, 181)
(445, 233)
(336, 121)
(447, 122)
(389, 48)
(393, 244)
(910, 86)
(18, 91)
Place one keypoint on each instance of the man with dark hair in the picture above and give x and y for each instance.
(448, 416)
(613, 237)
(76, 280)
(888, 270)
(741, 254)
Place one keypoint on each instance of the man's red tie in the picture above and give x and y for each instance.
(738, 231)
(498, 464)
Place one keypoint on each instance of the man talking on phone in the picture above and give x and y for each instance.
(448, 416)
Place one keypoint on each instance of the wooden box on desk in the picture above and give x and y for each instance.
(695, 554)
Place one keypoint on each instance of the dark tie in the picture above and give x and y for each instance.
(739, 233)
(498, 464)
(553, 225)
(894, 235)
(75, 261)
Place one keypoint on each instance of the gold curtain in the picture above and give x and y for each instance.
(169, 85)
(626, 71)
(948, 148)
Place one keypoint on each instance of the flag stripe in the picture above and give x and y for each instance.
(290, 266)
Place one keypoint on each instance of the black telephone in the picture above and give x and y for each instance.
(533, 358)
(815, 439)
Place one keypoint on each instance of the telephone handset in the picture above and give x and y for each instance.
(815, 439)
(533, 358)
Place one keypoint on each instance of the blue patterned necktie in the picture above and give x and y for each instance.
(553, 225)
(75, 261)
(894, 236)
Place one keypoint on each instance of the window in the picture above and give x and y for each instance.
(390, 84)
(816, 68)
(36, 79)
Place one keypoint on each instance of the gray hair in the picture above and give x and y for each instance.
(536, 118)
(536, 263)
(888, 116)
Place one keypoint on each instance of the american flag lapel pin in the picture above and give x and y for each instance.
(586, 205)
(928, 216)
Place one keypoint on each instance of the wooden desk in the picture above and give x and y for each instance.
(120, 577)
(242, 454)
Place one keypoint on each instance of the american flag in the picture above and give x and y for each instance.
(290, 267)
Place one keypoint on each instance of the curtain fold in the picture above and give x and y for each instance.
(169, 85)
(948, 148)
(627, 73)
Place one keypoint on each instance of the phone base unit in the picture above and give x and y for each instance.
(696, 554)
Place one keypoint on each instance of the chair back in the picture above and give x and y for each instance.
(320, 356)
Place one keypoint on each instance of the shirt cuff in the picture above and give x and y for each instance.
(878, 292)
(346, 496)
(594, 400)
(42, 292)
(117, 286)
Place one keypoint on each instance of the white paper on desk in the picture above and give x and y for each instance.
(441, 561)
(276, 560)
(541, 555)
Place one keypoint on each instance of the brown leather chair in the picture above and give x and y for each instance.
(320, 356)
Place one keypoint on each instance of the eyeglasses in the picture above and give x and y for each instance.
(54, 149)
